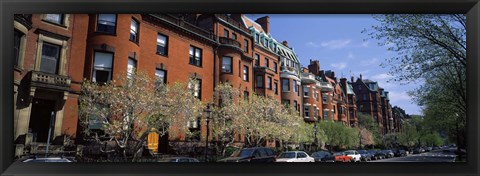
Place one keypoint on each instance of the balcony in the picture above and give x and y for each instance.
(25, 19)
(232, 22)
(50, 81)
(182, 24)
(230, 42)
(308, 78)
(326, 86)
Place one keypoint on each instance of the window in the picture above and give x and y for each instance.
(16, 48)
(245, 73)
(305, 91)
(226, 64)
(162, 44)
(285, 85)
(315, 112)
(259, 81)
(245, 45)
(269, 83)
(266, 62)
(275, 87)
(107, 23)
(195, 56)
(234, 36)
(257, 38)
(226, 33)
(275, 67)
(132, 65)
(134, 31)
(265, 42)
(325, 114)
(364, 97)
(286, 102)
(306, 110)
(196, 88)
(160, 77)
(295, 86)
(257, 60)
(54, 18)
(359, 87)
(316, 96)
(274, 47)
(102, 69)
(245, 95)
(50, 58)
(295, 103)
(324, 98)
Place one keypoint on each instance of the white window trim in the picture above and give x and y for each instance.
(62, 62)
(23, 42)
(66, 21)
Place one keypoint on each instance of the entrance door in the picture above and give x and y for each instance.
(40, 118)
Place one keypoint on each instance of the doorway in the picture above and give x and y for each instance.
(40, 119)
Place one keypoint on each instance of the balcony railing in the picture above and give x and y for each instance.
(185, 25)
(308, 77)
(229, 41)
(326, 86)
(232, 22)
(25, 19)
(48, 80)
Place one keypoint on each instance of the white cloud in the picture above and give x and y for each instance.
(335, 44)
(369, 62)
(350, 55)
(382, 76)
(312, 44)
(339, 66)
(365, 44)
(398, 96)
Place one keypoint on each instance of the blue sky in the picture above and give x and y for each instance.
(337, 42)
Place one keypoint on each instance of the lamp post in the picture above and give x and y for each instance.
(207, 118)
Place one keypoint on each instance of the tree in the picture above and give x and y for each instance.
(431, 48)
(127, 108)
(366, 121)
(339, 134)
(366, 137)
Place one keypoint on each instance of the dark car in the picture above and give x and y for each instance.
(399, 152)
(427, 149)
(388, 153)
(377, 154)
(418, 150)
(366, 156)
(323, 156)
(179, 160)
(257, 154)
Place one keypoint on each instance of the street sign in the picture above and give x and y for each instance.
(153, 141)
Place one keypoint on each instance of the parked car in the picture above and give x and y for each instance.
(388, 153)
(294, 156)
(427, 149)
(256, 154)
(356, 157)
(377, 155)
(418, 150)
(179, 160)
(323, 156)
(366, 156)
(399, 152)
(436, 148)
(342, 157)
(47, 160)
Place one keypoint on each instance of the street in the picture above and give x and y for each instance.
(434, 156)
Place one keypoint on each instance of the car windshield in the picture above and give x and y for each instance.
(318, 154)
(287, 155)
(362, 151)
(338, 154)
(349, 152)
(246, 152)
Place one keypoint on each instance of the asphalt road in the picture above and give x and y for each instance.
(434, 156)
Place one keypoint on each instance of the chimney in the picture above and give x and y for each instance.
(285, 43)
(305, 70)
(361, 77)
(351, 79)
(236, 16)
(343, 82)
(314, 67)
(265, 23)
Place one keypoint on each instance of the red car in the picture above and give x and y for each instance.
(342, 157)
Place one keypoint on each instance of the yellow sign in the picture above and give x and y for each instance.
(153, 141)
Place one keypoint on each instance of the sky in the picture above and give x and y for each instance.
(337, 42)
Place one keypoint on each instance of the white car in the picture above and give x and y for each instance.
(294, 156)
(356, 157)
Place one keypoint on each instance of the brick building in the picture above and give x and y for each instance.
(48, 71)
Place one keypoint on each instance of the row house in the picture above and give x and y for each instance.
(290, 76)
(369, 101)
(399, 118)
(386, 111)
(48, 71)
(351, 100)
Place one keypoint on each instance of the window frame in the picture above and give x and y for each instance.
(157, 83)
(257, 85)
(61, 21)
(283, 85)
(57, 57)
(245, 45)
(110, 75)
(193, 57)
(306, 91)
(245, 73)
(136, 32)
(114, 32)
(266, 62)
(269, 83)
(224, 68)
(257, 59)
(165, 47)
(275, 88)
(306, 111)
